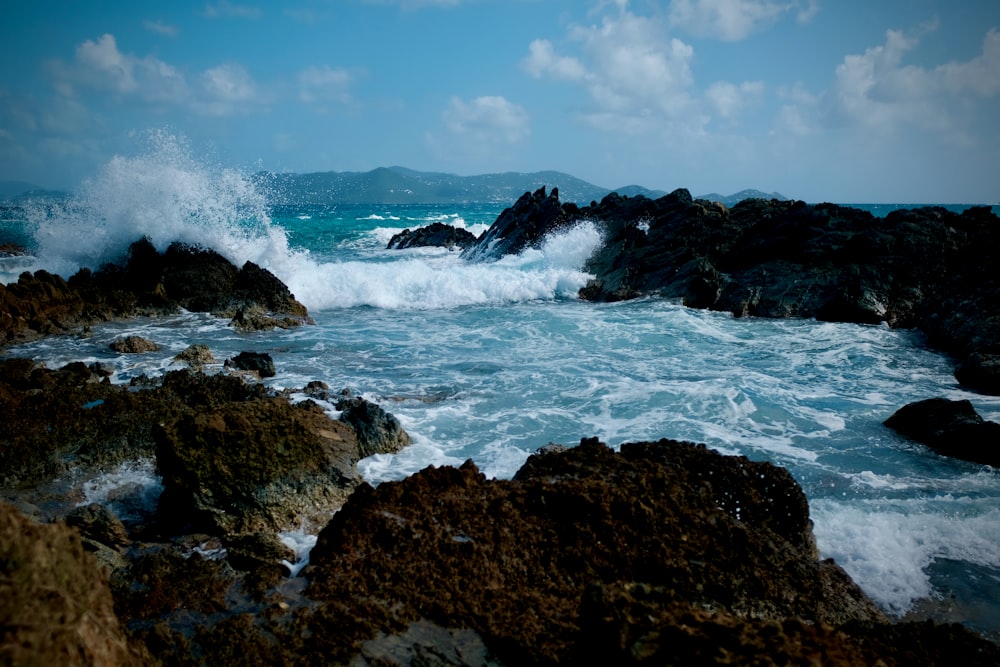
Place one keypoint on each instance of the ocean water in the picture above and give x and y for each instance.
(492, 361)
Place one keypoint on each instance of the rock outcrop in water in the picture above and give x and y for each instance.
(436, 234)
(927, 268)
(147, 282)
(951, 428)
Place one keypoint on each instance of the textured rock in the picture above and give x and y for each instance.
(256, 362)
(523, 225)
(99, 524)
(196, 356)
(55, 608)
(146, 282)
(980, 372)
(951, 428)
(511, 560)
(256, 465)
(378, 431)
(133, 345)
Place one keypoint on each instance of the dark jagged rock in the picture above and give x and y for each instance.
(927, 268)
(145, 282)
(437, 234)
(133, 345)
(256, 362)
(980, 372)
(521, 226)
(951, 428)
(378, 431)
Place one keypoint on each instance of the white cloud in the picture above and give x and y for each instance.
(227, 89)
(878, 91)
(728, 99)
(543, 60)
(638, 79)
(321, 84)
(732, 20)
(100, 65)
(161, 28)
(487, 121)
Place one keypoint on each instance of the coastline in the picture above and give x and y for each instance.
(242, 630)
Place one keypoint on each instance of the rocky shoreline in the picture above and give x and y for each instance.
(663, 553)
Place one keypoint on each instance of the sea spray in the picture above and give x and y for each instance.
(438, 279)
(166, 195)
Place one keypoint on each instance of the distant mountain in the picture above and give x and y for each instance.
(399, 185)
(741, 195)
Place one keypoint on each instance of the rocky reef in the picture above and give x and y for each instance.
(147, 282)
(664, 553)
(925, 268)
(661, 553)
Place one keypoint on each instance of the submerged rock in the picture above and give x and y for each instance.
(951, 428)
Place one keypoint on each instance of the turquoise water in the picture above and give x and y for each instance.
(491, 361)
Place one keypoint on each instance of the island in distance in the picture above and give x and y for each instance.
(398, 185)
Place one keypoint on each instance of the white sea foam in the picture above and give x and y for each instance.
(436, 281)
(301, 542)
(888, 551)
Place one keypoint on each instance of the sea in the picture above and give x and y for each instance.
(490, 361)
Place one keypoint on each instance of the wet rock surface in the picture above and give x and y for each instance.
(951, 428)
(146, 282)
(54, 607)
(664, 553)
(436, 234)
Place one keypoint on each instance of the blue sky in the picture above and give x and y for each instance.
(846, 101)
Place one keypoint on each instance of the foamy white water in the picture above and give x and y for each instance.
(492, 361)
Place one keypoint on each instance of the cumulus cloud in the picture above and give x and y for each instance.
(542, 60)
(638, 78)
(100, 65)
(876, 89)
(728, 99)
(734, 20)
(487, 120)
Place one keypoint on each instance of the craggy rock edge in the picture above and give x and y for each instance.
(664, 553)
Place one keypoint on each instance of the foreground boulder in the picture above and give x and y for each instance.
(54, 607)
(512, 560)
(951, 428)
(257, 465)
